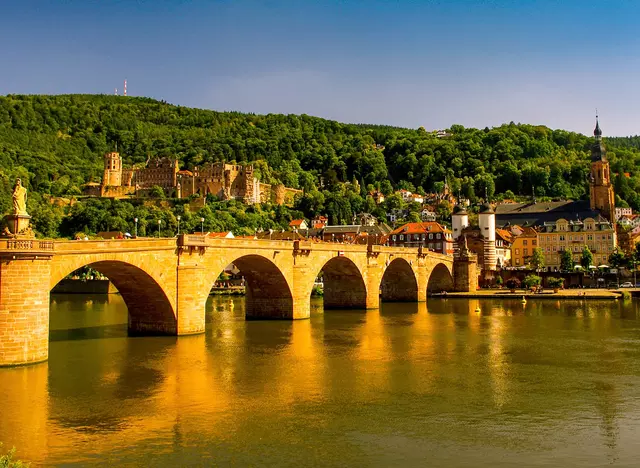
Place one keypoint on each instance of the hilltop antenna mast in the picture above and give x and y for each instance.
(125, 87)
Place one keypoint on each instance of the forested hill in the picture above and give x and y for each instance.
(56, 143)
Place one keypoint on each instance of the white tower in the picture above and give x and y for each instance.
(459, 220)
(487, 224)
(125, 88)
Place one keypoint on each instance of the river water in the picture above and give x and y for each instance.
(437, 384)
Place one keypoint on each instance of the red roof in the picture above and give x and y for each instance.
(296, 222)
(420, 228)
(218, 234)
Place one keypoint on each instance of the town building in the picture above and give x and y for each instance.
(629, 220)
(522, 247)
(428, 214)
(319, 222)
(431, 235)
(377, 196)
(620, 212)
(298, 224)
(596, 233)
(504, 239)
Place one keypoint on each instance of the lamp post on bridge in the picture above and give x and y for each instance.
(159, 223)
(178, 218)
(135, 220)
(202, 226)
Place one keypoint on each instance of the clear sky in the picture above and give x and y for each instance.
(408, 63)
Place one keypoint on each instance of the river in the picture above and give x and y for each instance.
(433, 384)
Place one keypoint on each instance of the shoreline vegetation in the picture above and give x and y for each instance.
(7, 461)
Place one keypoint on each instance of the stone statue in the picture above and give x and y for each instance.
(19, 199)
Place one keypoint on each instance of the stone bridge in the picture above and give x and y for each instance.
(166, 282)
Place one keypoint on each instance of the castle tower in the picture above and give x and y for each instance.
(487, 224)
(112, 170)
(600, 188)
(459, 220)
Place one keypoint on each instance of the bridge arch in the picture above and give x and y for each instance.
(343, 284)
(150, 308)
(399, 282)
(267, 292)
(440, 279)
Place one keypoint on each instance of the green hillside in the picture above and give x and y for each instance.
(56, 143)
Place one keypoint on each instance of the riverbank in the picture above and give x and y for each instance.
(580, 294)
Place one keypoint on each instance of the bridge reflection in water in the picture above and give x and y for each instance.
(402, 383)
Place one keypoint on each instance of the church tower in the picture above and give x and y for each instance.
(600, 188)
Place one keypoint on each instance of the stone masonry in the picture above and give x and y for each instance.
(166, 282)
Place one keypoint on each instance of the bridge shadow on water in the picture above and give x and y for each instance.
(90, 333)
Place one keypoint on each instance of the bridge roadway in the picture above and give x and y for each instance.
(165, 282)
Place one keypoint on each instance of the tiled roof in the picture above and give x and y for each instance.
(220, 234)
(504, 235)
(420, 228)
(535, 214)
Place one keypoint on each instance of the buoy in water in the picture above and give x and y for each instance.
(524, 300)
(478, 310)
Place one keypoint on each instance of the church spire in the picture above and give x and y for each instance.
(598, 151)
(597, 132)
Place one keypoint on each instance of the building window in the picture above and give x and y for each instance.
(524, 242)
(438, 236)
(394, 237)
(561, 238)
(431, 245)
(517, 251)
(517, 261)
(534, 242)
(430, 236)
(525, 252)
(401, 236)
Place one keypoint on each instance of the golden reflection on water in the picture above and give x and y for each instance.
(284, 383)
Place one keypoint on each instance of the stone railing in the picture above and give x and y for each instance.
(29, 248)
(29, 244)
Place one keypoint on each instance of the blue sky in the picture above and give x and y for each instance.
(407, 63)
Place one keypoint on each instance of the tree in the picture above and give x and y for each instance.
(555, 283)
(566, 261)
(617, 259)
(586, 259)
(537, 259)
(530, 281)
(156, 192)
(512, 283)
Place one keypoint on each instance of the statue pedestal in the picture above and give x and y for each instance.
(17, 225)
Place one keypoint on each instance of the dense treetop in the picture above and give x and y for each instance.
(57, 143)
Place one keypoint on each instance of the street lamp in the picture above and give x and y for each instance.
(201, 225)
(178, 218)
(135, 220)
(159, 223)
